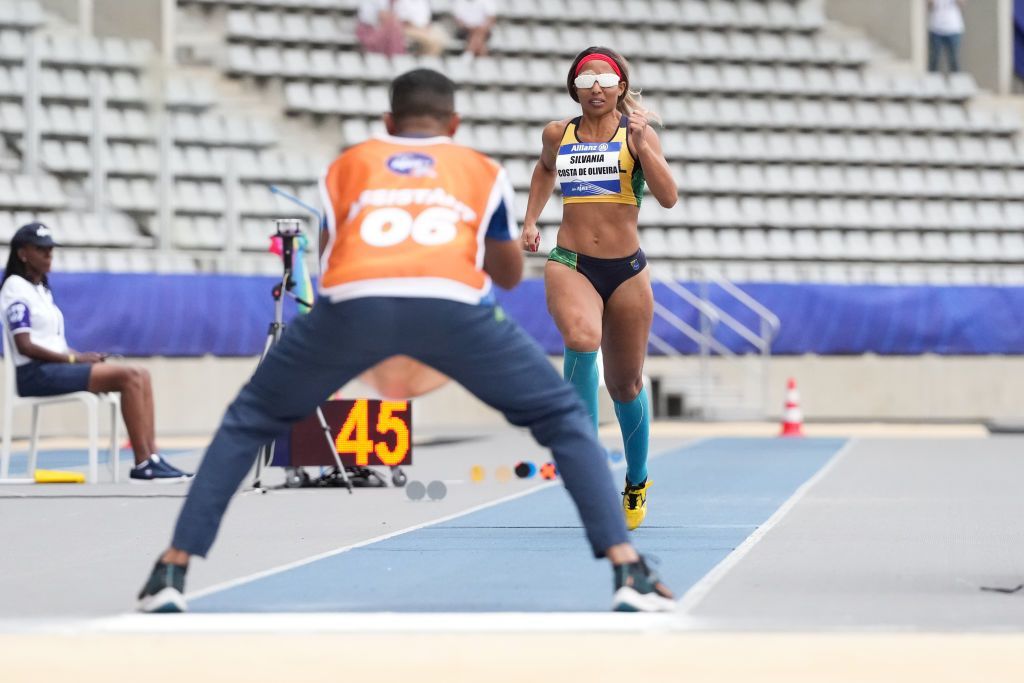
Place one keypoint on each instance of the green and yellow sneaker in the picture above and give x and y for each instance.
(634, 503)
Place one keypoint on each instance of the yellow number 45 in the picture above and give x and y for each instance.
(354, 434)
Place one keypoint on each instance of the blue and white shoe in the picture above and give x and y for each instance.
(164, 592)
(158, 470)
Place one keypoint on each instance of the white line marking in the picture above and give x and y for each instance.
(388, 623)
(376, 539)
(700, 590)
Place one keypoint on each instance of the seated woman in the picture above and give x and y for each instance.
(46, 366)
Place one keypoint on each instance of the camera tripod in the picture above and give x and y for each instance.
(288, 229)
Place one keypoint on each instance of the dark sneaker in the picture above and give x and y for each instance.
(638, 589)
(158, 470)
(164, 592)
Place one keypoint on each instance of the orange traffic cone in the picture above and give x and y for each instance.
(792, 418)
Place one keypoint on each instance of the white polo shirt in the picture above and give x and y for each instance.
(946, 18)
(29, 309)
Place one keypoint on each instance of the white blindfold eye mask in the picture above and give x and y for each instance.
(586, 81)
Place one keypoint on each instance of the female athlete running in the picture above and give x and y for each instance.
(598, 287)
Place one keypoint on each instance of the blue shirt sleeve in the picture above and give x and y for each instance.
(498, 228)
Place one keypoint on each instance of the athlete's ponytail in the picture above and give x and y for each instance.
(629, 101)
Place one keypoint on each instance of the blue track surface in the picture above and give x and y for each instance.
(529, 554)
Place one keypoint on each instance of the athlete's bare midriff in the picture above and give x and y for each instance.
(601, 230)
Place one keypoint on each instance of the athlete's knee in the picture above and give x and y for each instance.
(392, 387)
(582, 337)
(402, 378)
(625, 390)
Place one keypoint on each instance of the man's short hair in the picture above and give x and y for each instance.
(422, 92)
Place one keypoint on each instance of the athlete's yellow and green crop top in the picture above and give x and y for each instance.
(598, 171)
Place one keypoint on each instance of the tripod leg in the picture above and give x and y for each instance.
(258, 475)
(334, 451)
(265, 455)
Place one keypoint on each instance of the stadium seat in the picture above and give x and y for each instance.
(655, 242)
(122, 159)
(770, 121)
(805, 244)
(780, 244)
(830, 245)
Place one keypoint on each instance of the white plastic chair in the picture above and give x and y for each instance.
(91, 401)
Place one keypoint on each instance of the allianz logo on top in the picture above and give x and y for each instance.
(589, 147)
(414, 164)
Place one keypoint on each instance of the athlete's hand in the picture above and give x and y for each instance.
(638, 130)
(90, 357)
(530, 238)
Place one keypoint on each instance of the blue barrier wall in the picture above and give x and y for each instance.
(835, 319)
(227, 315)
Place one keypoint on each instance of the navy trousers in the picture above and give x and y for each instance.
(474, 345)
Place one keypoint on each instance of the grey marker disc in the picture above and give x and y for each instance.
(437, 490)
(415, 490)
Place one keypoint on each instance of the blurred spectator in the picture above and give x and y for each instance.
(474, 21)
(378, 28)
(421, 33)
(945, 29)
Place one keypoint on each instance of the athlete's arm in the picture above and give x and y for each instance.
(542, 184)
(647, 148)
(503, 261)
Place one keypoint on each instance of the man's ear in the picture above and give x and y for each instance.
(389, 123)
(453, 125)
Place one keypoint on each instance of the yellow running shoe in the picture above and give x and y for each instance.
(634, 503)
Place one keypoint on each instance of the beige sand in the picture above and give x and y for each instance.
(497, 658)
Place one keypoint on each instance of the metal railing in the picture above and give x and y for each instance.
(711, 317)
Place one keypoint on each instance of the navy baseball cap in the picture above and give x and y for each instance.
(34, 233)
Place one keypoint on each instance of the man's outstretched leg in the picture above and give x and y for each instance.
(298, 374)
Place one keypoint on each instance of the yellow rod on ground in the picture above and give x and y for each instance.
(59, 477)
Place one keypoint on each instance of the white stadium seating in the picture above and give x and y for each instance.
(796, 157)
